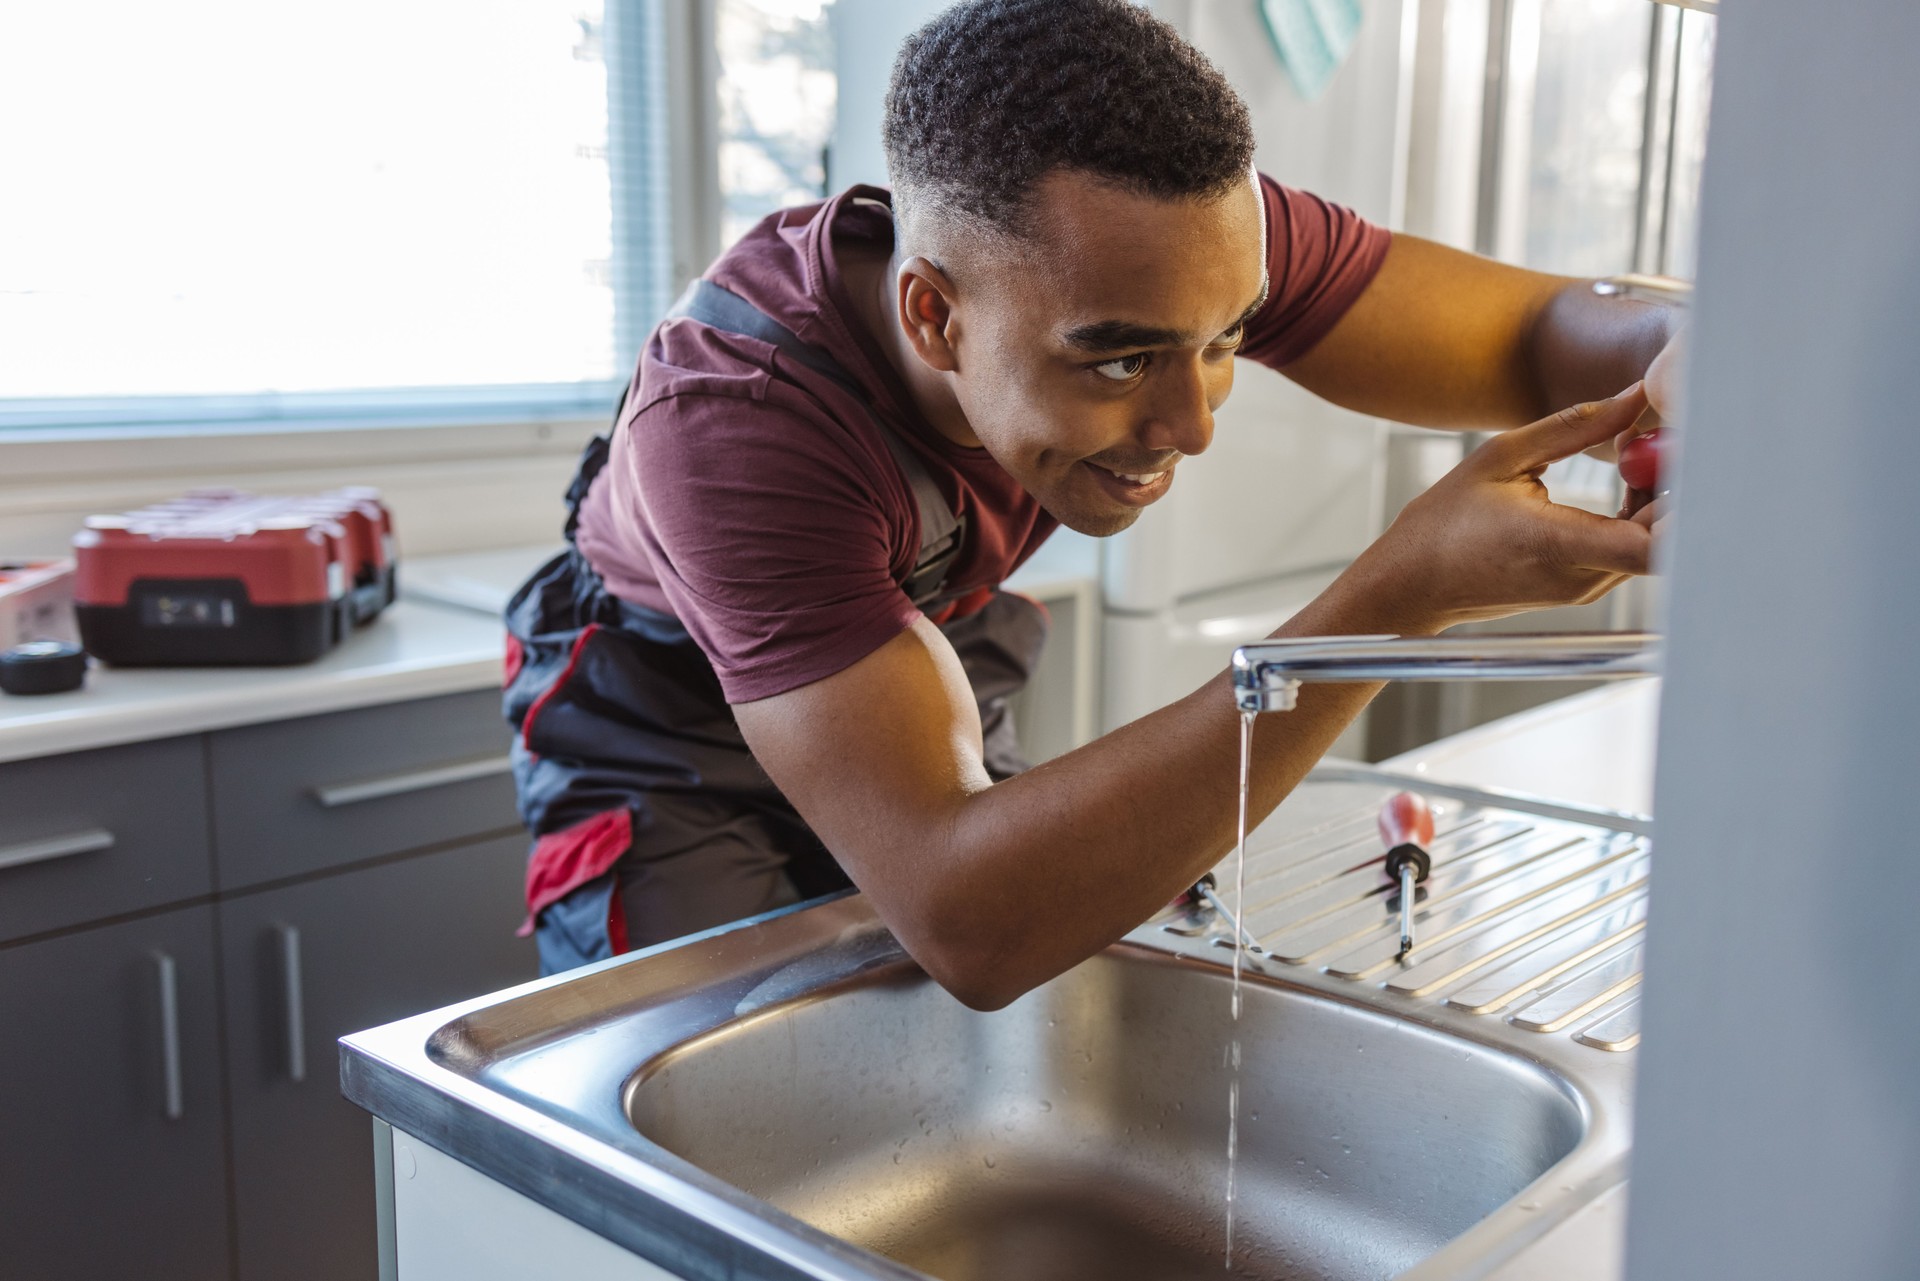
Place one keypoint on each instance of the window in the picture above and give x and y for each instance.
(1606, 103)
(221, 210)
(776, 97)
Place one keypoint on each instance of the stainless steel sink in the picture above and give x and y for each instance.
(793, 1097)
(1082, 1133)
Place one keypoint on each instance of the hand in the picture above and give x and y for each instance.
(1487, 541)
(1665, 382)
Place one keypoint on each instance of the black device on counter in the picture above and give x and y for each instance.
(42, 667)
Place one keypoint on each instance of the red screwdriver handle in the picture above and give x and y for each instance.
(1405, 819)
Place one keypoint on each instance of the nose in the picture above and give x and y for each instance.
(1180, 417)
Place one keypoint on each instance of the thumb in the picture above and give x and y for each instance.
(1573, 429)
(1587, 540)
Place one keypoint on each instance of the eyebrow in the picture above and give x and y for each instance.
(1114, 335)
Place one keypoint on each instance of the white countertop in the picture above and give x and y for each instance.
(443, 637)
(1594, 749)
(413, 650)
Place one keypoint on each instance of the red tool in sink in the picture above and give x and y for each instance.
(1406, 825)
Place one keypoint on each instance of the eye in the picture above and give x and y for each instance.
(1232, 337)
(1123, 370)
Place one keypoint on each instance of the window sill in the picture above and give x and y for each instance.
(453, 486)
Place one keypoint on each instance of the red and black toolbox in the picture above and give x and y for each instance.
(219, 576)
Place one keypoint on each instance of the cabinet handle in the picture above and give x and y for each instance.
(375, 789)
(293, 993)
(95, 838)
(172, 1088)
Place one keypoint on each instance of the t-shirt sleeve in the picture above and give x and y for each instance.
(1320, 258)
(773, 534)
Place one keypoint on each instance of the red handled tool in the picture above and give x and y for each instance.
(1406, 825)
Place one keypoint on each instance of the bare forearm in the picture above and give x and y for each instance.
(1584, 347)
(1045, 869)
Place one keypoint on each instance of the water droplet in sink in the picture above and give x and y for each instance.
(1045, 1106)
(989, 1161)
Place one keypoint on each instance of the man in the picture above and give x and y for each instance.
(776, 659)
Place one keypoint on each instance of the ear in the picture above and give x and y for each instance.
(924, 300)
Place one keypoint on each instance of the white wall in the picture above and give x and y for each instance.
(866, 36)
(1778, 1128)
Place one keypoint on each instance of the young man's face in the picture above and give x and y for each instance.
(1092, 362)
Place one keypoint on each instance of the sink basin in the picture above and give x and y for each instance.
(1082, 1132)
(792, 1099)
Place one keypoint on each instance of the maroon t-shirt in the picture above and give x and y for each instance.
(755, 500)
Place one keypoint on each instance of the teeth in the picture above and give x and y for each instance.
(1139, 478)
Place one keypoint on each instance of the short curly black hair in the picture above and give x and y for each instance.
(993, 95)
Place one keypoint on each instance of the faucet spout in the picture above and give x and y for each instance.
(1267, 677)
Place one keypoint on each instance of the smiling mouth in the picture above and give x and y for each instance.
(1133, 488)
(1136, 478)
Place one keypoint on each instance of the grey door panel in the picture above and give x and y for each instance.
(112, 1146)
(344, 952)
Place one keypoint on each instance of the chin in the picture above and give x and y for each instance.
(1095, 524)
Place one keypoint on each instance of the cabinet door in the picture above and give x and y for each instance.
(112, 1148)
(305, 965)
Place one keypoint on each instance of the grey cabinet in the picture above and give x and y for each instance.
(98, 834)
(305, 965)
(306, 795)
(112, 1146)
(169, 1084)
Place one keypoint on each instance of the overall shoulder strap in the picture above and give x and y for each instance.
(941, 532)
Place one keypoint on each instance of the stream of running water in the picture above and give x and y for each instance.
(1239, 946)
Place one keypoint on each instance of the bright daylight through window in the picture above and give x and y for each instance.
(220, 208)
(777, 96)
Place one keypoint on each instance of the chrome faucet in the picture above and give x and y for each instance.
(1267, 677)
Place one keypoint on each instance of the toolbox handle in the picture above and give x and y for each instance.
(42, 851)
(375, 789)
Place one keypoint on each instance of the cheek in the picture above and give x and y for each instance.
(1219, 383)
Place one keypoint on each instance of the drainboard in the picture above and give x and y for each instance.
(1534, 920)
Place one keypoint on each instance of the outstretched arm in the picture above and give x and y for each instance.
(996, 887)
(1443, 338)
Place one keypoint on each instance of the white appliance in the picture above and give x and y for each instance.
(1291, 490)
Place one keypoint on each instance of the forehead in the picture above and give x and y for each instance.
(1097, 253)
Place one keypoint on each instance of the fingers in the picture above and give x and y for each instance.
(1587, 540)
(1636, 501)
(1562, 435)
(1666, 376)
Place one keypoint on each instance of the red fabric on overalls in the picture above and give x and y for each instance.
(972, 603)
(563, 861)
(516, 658)
(559, 683)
